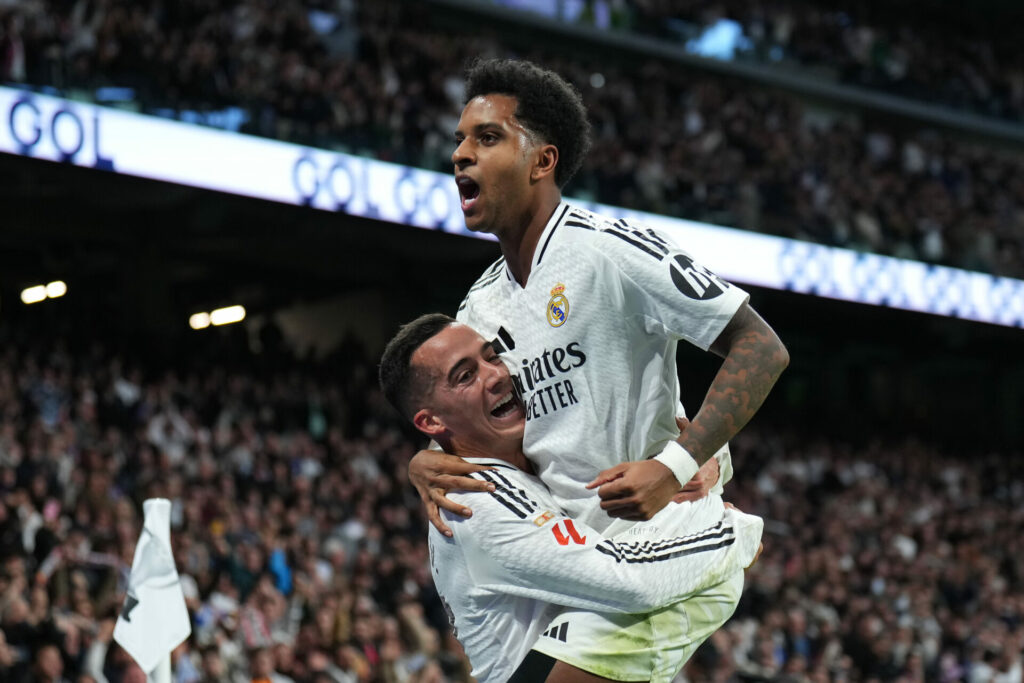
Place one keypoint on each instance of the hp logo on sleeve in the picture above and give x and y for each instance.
(693, 280)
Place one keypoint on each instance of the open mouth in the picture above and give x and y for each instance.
(469, 191)
(506, 406)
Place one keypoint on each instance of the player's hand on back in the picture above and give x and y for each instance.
(635, 490)
(760, 546)
(701, 484)
(434, 474)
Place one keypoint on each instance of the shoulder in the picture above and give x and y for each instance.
(516, 494)
(486, 283)
(490, 275)
(610, 237)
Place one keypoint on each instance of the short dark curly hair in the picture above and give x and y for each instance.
(547, 105)
(403, 385)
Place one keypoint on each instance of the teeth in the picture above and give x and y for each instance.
(507, 399)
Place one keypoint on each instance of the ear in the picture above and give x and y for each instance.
(429, 423)
(547, 160)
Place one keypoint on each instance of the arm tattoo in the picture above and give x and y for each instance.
(755, 360)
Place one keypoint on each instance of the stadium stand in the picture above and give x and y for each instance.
(889, 556)
(380, 79)
(948, 55)
(302, 548)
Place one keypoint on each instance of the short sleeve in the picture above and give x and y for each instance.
(665, 286)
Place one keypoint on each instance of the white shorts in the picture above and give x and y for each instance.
(641, 647)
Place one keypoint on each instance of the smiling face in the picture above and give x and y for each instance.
(495, 160)
(471, 403)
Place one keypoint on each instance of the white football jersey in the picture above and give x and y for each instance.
(591, 344)
(510, 568)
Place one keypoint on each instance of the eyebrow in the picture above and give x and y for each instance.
(462, 361)
(480, 127)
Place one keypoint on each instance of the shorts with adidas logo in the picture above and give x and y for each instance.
(653, 646)
(640, 647)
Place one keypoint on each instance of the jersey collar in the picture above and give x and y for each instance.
(557, 218)
(491, 462)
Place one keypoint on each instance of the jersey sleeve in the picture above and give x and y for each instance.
(673, 293)
(515, 546)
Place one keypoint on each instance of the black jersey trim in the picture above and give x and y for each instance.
(552, 233)
(648, 547)
(484, 281)
(496, 266)
(506, 496)
(639, 245)
(656, 237)
(649, 236)
(492, 273)
(511, 490)
(663, 550)
(649, 244)
(579, 224)
(496, 464)
(683, 552)
(501, 499)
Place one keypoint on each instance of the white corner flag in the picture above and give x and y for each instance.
(154, 619)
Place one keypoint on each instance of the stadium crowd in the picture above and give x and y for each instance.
(960, 59)
(302, 549)
(381, 79)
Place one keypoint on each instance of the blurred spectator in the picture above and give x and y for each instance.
(954, 57)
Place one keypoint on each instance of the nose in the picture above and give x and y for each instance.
(461, 156)
(494, 375)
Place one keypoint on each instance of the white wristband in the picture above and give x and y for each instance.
(677, 459)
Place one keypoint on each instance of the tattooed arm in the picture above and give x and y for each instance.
(754, 358)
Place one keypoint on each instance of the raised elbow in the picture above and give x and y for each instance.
(781, 356)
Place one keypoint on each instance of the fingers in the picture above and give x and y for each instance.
(452, 483)
(714, 471)
(438, 499)
(615, 489)
(692, 485)
(622, 502)
(682, 423)
(460, 466)
(626, 509)
(687, 495)
(610, 474)
(435, 519)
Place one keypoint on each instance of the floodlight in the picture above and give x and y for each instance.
(56, 289)
(230, 314)
(33, 295)
(199, 321)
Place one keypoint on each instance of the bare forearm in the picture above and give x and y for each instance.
(756, 358)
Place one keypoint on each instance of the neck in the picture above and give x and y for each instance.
(518, 247)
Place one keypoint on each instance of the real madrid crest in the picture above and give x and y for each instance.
(558, 306)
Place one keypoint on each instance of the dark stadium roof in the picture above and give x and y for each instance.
(107, 233)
